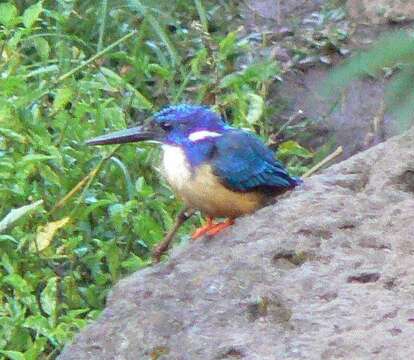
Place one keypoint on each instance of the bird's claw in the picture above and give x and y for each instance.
(217, 228)
(211, 228)
(203, 229)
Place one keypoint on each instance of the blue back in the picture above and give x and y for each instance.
(243, 163)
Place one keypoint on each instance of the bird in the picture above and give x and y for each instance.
(213, 167)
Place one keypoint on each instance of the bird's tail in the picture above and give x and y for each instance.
(296, 181)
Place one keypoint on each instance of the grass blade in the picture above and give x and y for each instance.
(202, 15)
(127, 176)
(103, 24)
(84, 183)
(136, 5)
(16, 214)
(95, 57)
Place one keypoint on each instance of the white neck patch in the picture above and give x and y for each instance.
(176, 167)
(202, 134)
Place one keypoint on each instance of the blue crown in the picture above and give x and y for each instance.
(174, 112)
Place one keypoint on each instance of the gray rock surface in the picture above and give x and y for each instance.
(327, 272)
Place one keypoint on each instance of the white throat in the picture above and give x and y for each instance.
(202, 134)
(176, 167)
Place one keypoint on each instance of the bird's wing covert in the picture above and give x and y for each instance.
(243, 163)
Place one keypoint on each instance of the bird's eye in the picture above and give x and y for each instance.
(166, 126)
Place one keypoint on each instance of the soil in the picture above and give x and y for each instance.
(356, 118)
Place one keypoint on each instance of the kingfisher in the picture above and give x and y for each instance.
(220, 170)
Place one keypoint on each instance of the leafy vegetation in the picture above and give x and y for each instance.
(71, 70)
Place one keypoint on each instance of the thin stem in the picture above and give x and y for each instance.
(137, 5)
(83, 65)
(182, 87)
(103, 24)
(292, 118)
(95, 57)
(95, 173)
(319, 165)
(202, 15)
(182, 217)
(84, 183)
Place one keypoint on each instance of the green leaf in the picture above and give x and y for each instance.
(256, 108)
(16, 38)
(254, 73)
(63, 96)
(113, 259)
(36, 349)
(112, 76)
(142, 187)
(71, 293)
(199, 61)
(261, 71)
(126, 175)
(34, 158)
(228, 45)
(31, 14)
(13, 135)
(162, 71)
(49, 175)
(137, 5)
(8, 14)
(17, 283)
(202, 14)
(44, 69)
(16, 214)
(43, 49)
(48, 297)
(13, 355)
(7, 264)
(139, 100)
(38, 323)
(134, 263)
(293, 148)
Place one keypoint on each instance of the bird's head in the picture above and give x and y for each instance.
(174, 125)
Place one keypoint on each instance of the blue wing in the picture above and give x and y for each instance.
(243, 163)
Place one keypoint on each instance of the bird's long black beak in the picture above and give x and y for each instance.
(135, 134)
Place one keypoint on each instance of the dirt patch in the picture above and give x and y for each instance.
(308, 39)
(380, 11)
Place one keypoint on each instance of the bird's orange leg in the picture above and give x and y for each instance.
(217, 228)
(204, 229)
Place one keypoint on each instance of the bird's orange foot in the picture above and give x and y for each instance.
(203, 229)
(211, 228)
(217, 228)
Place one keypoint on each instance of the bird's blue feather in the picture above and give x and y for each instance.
(202, 115)
(244, 163)
(239, 159)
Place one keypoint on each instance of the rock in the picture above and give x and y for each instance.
(381, 11)
(324, 273)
